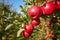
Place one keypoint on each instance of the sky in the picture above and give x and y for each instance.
(16, 4)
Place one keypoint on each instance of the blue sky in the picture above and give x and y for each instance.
(16, 4)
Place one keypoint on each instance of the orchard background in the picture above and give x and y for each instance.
(38, 20)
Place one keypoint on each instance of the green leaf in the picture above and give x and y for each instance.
(21, 8)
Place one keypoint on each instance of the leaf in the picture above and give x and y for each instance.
(21, 8)
(19, 32)
(8, 26)
(26, 8)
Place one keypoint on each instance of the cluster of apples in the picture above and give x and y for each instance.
(27, 30)
(49, 32)
(36, 11)
(32, 12)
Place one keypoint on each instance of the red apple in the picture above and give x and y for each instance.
(29, 28)
(57, 4)
(34, 12)
(48, 8)
(35, 22)
(25, 34)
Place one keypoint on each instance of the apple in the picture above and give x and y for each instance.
(35, 22)
(57, 4)
(29, 28)
(48, 34)
(34, 12)
(25, 34)
(48, 8)
(48, 22)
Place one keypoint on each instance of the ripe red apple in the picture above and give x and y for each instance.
(48, 8)
(34, 12)
(35, 22)
(57, 4)
(29, 28)
(25, 34)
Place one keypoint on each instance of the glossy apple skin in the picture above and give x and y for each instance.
(48, 8)
(34, 12)
(35, 22)
(25, 34)
(29, 28)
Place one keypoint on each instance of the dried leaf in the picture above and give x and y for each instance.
(8, 26)
(19, 32)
